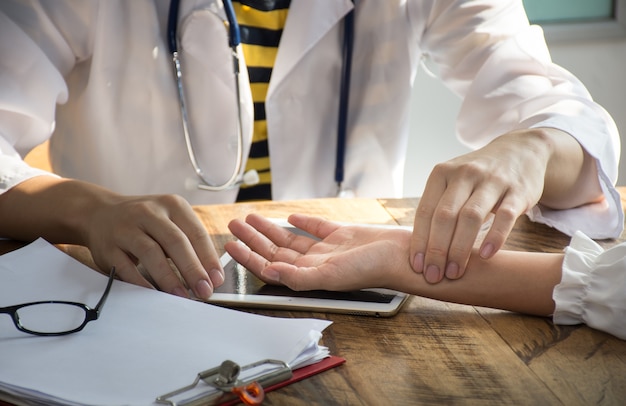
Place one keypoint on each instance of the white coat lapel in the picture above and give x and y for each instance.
(306, 24)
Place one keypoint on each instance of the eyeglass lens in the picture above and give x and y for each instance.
(49, 318)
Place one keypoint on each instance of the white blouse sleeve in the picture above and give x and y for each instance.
(593, 287)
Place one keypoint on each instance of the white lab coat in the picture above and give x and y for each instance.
(101, 69)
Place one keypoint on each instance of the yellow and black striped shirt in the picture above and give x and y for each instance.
(261, 23)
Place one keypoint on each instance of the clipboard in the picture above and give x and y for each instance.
(133, 315)
(229, 383)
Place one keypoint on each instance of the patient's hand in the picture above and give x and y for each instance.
(345, 258)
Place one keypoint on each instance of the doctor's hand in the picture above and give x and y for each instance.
(505, 178)
(128, 232)
(344, 258)
(152, 231)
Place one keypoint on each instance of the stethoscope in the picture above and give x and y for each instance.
(234, 39)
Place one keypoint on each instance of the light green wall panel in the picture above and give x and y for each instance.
(540, 11)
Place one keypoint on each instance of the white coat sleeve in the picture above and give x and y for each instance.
(490, 56)
(593, 287)
(31, 84)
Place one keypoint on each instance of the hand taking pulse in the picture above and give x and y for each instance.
(507, 177)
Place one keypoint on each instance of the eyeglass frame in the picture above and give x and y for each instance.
(90, 313)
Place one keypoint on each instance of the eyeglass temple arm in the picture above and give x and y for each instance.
(106, 290)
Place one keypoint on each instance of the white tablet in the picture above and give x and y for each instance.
(242, 289)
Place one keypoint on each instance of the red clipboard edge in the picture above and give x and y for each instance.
(302, 373)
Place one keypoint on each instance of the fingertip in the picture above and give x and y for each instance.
(487, 250)
(432, 274)
(203, 289)
(236, 249)
(253, 218)
(230, 245)
(217, 277)
(418, 263)
(296, 218)
(234, 224)
(453, 271)
(316, 226)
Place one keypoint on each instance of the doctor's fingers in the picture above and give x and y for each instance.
(184, 239)
(143, 249)
(148, 230)
(434, 224)
(119, 252)
(506, 214)
(154, 229)
(125, 266)
(473, 214)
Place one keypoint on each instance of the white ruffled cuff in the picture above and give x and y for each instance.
(593, 286)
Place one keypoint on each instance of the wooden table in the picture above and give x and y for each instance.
(439, 353)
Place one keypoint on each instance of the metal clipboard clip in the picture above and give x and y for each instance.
(229, 381)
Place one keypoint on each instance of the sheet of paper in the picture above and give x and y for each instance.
(144, 344)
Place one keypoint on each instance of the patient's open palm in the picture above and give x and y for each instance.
(344, 257)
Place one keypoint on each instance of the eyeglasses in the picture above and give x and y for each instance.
(54, 317)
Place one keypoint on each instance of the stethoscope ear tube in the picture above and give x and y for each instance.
(234, 35)
(172, 23)
(344, 99)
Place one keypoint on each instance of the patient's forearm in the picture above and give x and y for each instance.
(516, 281)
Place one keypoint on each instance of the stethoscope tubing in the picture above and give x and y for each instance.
(344, 99)
(234, 39)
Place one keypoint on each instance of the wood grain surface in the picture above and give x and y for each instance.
(433, 352)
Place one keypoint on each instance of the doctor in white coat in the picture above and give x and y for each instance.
(96, 79)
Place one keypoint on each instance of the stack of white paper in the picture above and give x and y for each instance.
(145, 343)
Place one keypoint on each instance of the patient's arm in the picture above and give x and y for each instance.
(357, 257)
